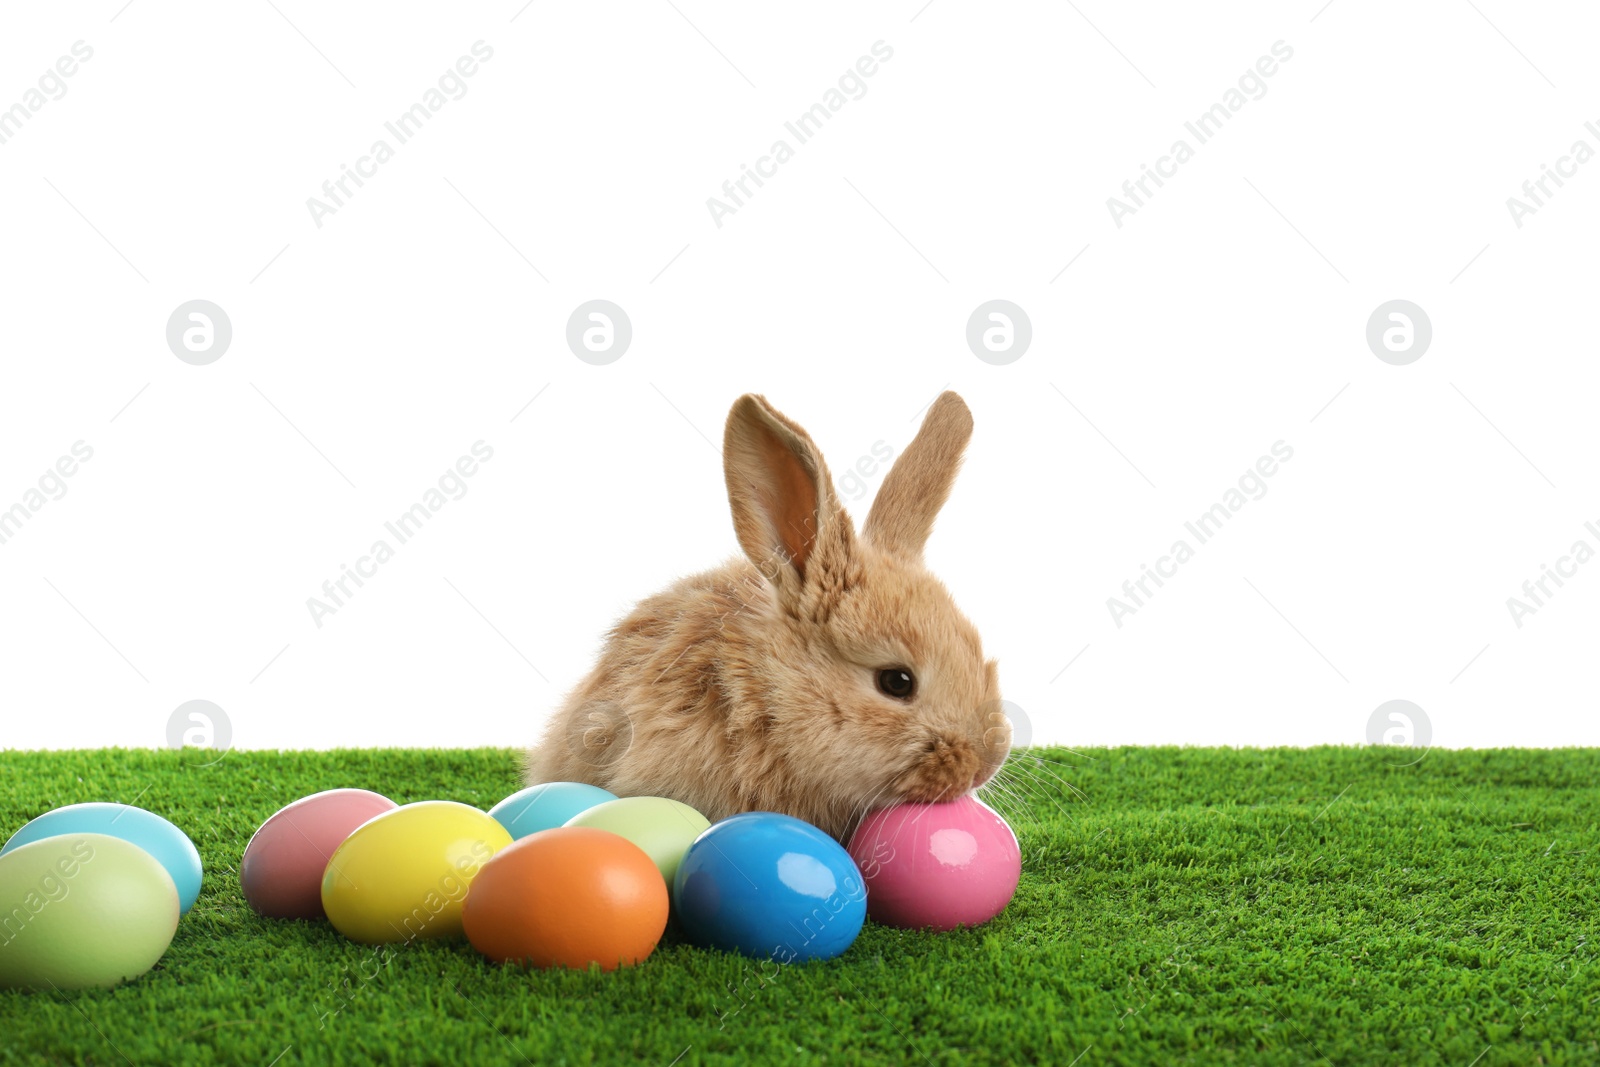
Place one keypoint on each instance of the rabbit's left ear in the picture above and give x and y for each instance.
(918, 484)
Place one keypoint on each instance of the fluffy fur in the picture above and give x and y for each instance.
(754, 686)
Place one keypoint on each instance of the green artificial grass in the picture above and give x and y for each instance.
(1191, 905)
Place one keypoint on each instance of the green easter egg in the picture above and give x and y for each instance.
(663, 828)
(82, 910)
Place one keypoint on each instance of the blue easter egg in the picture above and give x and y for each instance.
(544, 807)
(770, 886)
(169, 845)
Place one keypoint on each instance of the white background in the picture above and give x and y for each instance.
(368, 354)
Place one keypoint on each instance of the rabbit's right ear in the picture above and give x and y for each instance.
(787, 519)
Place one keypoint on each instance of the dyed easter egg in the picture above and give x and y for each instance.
(568, 897)
(544, 807)
(663, 828)
(937, 866)
(770, 886)
(282, 867)
(168, 844)
(79, 911)
(403, 875)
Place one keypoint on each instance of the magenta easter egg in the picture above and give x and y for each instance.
(282, 867)
(937, 866)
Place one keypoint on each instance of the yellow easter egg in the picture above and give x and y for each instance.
(402, 876)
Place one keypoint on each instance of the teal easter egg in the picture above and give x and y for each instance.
(544, 807)
(168, 844)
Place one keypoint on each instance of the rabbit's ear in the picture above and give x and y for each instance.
(784, 511)
(918, 484)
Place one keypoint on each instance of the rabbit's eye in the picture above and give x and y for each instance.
(897, 682)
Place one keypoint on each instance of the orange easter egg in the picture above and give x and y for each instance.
(567, 897)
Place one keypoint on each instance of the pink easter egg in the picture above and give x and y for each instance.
(281, 870)
(937, 866)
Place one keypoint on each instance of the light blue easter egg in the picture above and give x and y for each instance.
(544, 807)
(168, 844)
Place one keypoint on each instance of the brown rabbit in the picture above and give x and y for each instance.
(823, 676)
